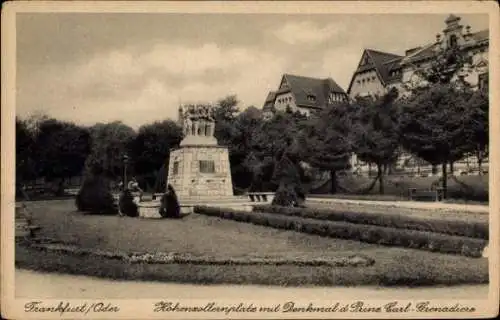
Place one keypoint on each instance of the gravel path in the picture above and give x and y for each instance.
(52, 286)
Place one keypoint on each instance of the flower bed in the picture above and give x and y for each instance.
(456, 228)
(423, 240)
(183, 258)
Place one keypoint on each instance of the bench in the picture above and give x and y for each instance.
(425, 194)
(265, 197)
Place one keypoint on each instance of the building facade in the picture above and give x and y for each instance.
(303, 94)
(378, 72)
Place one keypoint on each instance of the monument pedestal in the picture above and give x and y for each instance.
(200, 171)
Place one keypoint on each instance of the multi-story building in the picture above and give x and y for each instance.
(303, 94)
(378, 72)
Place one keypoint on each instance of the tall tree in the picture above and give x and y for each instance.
(269, 142)
(150, 149)
(25, 147)
(376, 132)
(243, 128)
(110, 142)
(327, 141)
(442, 76)
(62, 148)
(225, 114)
(477, 126)
(434, 126)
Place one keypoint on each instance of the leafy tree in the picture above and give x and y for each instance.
(377, 133)
(150, 149)
(268, 144)
(434, 126)
(25, 146)
(225, 114)
(477, 126)
(243, 130)
(62, 148)
(443, 83)
(327, 141)
(110, 142)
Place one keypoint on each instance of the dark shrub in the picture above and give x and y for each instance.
(95, 196)
(169, 204)
(285, 196)
(127, 204)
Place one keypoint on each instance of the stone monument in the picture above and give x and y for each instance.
(199, 169)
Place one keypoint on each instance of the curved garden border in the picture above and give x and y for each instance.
(183, 258)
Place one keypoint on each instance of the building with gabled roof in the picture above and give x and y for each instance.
(303, 94)
(375, 72)
(378, 71)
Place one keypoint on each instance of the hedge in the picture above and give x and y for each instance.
(414, 239)
(455, 228)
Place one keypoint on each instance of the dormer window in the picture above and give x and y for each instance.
(311, 97)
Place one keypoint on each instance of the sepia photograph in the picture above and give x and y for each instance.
(249, 159)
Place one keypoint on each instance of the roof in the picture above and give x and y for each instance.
(481, 35)
(382, 62)
(302, 87)
(427, 51)
(451, 18)
(270, 96)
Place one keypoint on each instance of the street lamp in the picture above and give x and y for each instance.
(125, 162)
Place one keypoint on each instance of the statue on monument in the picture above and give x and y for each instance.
(198, 124)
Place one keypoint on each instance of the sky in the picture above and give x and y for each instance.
(138, 67)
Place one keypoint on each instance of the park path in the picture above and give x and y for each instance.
(473, 208)
(30, 284)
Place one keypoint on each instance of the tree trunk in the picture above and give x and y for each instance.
(445, 180)
(434, 169)
(451, 167)
(333, 181)
(479, 156)
(380, 179)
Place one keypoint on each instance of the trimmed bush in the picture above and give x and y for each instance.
(95, 197)
(127, 204)
(422, 240)
(449, 227)
(169, 204)
(285, 196)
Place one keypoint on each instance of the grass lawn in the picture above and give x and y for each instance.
(395, 210)
(209, 236)
(461, 189)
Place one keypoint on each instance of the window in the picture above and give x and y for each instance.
(452, 41)
(373, 78)
(483, 81)
(207, 166)
(311, 97)
(176, 168)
